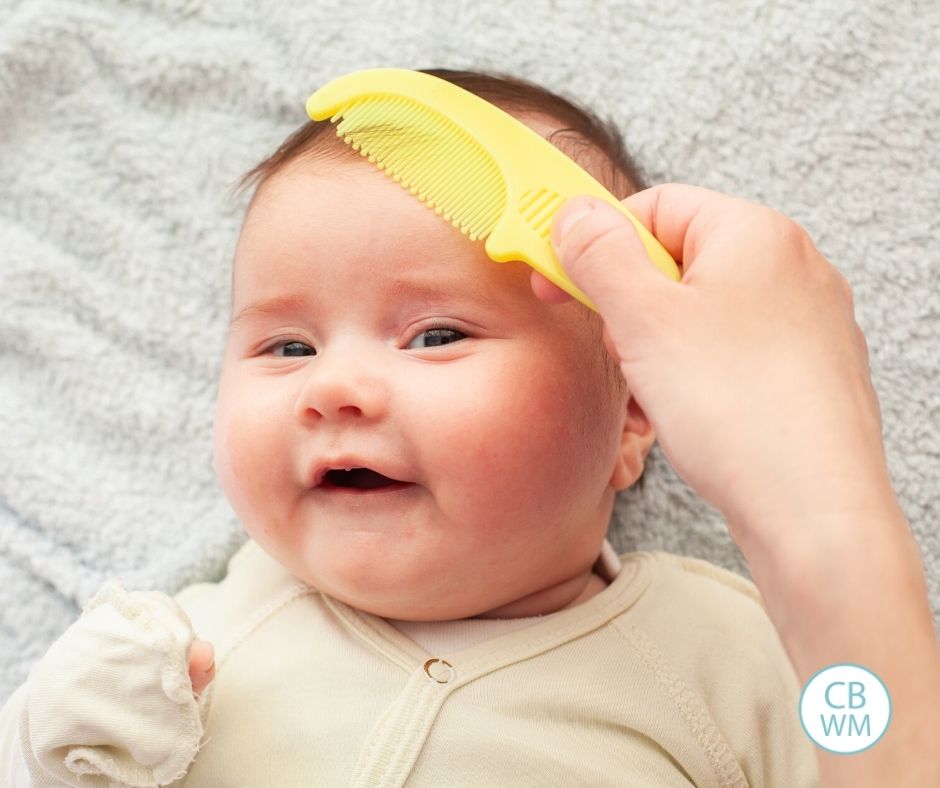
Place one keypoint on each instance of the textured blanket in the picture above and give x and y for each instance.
(124, 124)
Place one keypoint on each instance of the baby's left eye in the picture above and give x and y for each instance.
(435, 337)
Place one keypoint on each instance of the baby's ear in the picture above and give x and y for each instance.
(636, 440)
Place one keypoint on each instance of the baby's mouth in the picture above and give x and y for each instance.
(358, 479)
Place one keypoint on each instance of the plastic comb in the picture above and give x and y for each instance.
(477, 166)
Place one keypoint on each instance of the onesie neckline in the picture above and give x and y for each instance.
(542, 634)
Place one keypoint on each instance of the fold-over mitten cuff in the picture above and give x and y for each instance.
(112, 698)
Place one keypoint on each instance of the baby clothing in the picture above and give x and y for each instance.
(671, 676)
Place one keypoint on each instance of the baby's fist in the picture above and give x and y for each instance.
(111, 701)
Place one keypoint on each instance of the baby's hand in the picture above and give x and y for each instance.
(112, 697)
(201, 665)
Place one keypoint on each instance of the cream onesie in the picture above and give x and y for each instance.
(671, 676)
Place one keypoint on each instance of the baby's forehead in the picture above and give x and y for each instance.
(353, 181)
(346, 216)
(352, 195)
(357, 178)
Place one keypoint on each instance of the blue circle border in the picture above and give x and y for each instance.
(799, 707)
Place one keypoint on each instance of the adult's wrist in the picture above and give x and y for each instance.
(813, 506)
(812, 569)
(849, 587)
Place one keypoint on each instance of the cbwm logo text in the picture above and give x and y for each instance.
(845, 708)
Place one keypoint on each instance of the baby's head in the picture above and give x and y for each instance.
(488, 431)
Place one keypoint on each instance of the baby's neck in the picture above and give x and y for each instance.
(562, 596)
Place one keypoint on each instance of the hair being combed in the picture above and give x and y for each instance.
(595, 144)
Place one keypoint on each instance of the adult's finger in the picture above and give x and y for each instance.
(603, 255)
(547, 291)
(689, 220)
(669, 210)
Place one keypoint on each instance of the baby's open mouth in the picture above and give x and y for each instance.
(358, 479)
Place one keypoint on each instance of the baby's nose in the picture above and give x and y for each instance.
(342, 384)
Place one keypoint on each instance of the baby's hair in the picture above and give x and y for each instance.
(595, 144)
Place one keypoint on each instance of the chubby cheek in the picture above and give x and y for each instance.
(246, 460)
(518, 450)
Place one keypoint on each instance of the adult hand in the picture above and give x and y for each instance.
(752, 370)
(754, 374)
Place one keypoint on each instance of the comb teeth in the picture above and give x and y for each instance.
(430, 156)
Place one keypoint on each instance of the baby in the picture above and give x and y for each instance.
(425, 456)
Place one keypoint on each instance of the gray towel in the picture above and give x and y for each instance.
(123, 124)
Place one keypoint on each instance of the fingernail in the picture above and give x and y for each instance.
(572, 212)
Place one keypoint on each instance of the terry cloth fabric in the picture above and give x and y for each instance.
(123, 123)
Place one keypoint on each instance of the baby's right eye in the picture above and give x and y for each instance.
(291, 349)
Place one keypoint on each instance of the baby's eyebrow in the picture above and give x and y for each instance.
(439, 289)
(397, 289)
(267, 306)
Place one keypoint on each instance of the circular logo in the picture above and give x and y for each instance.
(845, 708)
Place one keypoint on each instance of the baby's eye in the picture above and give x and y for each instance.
(435, 337)
(292, 349)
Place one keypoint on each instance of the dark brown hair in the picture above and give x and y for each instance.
(595, 144)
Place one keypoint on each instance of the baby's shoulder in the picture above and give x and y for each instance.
(707, 621)
(255, 585)
(708, 582)
(693, 587)
(702, 632)
(703, 617)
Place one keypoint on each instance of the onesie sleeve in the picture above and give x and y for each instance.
(110, 702)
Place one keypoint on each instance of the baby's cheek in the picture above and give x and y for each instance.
(227, 455)
(222, 451)
(241, 452)
(508, 448)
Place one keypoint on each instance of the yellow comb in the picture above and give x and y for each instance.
(478, 167)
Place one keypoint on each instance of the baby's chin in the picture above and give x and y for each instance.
(426, 597)
(404, 578)
(392, 582)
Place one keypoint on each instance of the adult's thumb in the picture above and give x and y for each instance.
(602, 253)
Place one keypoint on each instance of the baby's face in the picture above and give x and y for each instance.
(369, 333)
